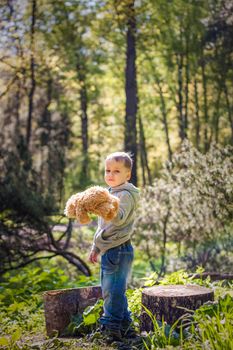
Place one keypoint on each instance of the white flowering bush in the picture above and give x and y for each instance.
(191, 204)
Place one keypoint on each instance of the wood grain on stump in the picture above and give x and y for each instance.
(163, 302)
(60, 305)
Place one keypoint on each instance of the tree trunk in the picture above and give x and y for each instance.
(131, 91)
(61, 305)
(163, 107)
(84, 119)
(215, 123)
(164, 248)
(164, 302)
(197, 119)
(229, 109)
(81, 69)
(164, 114)
(187, 74)
(143, 155)
(32, 73)
(206, 117)
(180, 64)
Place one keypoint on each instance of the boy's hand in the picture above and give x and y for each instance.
(93, 257)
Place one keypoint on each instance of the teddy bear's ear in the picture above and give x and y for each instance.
(70, 208)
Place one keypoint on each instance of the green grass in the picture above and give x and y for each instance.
(22, 316)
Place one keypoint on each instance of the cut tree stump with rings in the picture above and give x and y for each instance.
(170, 302)
(61, 305)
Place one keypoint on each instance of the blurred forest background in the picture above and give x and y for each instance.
(83, 78)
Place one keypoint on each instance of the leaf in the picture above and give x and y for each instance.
(92, 313)
(17, 335)
(90, 319)
(4, 341)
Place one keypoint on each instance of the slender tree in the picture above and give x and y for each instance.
(32, 72)
(131, 89)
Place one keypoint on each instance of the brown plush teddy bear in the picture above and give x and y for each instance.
(96, 200)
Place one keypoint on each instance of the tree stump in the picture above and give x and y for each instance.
(60, 305)
(163, 302)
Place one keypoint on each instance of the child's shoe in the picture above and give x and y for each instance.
(111, 335)
(128, 331)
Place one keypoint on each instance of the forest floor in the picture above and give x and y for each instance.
(41, 342)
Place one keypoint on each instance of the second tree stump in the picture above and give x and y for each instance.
(61, 305)
(163, 302)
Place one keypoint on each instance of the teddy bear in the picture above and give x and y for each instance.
(96, 200)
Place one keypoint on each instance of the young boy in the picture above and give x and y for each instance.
(112, 242)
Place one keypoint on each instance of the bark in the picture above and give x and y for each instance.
(142, 162)
(215, 126)
(61, 305)
(186, 86)
(206, 116)
(163, 250)
(164, 115)
(143, 155)
(164, 302)
(229, 109)
(214, 276)
(131, 91)
(180, 66)
(81, 71)
(32, 75)
(17, 110)
(197, 121)
(46, 179)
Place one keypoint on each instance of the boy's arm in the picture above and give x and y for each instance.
(93, 257)
(125, 208)
(94, 248)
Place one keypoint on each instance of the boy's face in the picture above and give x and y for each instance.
(116, 173)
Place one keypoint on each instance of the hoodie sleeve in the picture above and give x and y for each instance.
(94, 246)
(125, 207)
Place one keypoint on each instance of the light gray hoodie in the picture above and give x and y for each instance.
(110, 234)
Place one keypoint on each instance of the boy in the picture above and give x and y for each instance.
(112, 241)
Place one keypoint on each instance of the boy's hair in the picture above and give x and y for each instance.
(124, 157)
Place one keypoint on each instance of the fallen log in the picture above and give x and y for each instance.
(164, 302)
(214, 276)
(61, 305)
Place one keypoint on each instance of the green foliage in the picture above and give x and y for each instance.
(177, 277)
(10, 342)
(183, 277)
(30, 282)
(86, 322)
(162, 333)
(192, 199)
(21, 296)
(134, 301)
(213, 325)
(22, 315)
(92, 313)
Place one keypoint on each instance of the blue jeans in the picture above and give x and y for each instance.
(115, 267)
